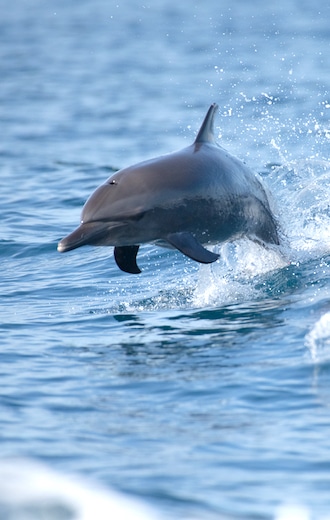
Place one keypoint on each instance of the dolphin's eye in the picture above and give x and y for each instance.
(113, 182)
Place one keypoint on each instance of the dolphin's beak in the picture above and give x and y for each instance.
(88, 233)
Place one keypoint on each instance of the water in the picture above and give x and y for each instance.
(201, 390)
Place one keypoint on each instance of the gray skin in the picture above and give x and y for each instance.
(198, 195)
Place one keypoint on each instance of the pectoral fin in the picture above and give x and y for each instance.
(125, 257)
(189, 246)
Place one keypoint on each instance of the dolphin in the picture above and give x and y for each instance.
(193, 197)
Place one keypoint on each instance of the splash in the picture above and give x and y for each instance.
(300, 189)
(235, 276)
(302, 208)
(318, 339)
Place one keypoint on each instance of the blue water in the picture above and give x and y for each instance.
(202, 390)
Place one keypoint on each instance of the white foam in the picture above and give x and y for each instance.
(293, 512)
(318, 339)
(29, 490)
(296, 511)
(231, 278)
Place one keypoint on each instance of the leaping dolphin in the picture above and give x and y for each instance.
(198, 195)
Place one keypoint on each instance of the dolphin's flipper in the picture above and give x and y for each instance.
(125, 257)
(189, 246)
(206, 132)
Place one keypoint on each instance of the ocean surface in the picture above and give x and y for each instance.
(202, 392)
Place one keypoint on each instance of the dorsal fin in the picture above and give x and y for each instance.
(205, 134)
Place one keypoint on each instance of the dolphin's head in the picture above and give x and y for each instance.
(108, 218)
